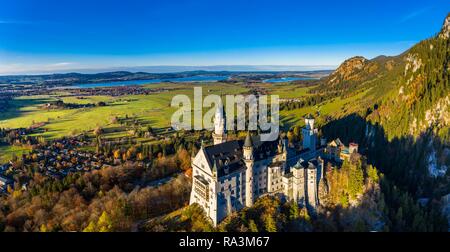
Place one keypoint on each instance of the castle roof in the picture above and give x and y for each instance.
(263, 149)
(310, 164)
(227, 157)
(309, 116)
(353, 144)
(337, 142)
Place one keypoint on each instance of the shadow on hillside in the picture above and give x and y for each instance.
(15, 107)
(403, 160)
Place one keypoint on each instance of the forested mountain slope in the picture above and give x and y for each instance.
(402, 123)
(407, 94)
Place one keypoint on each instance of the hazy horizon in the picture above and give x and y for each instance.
(181, 68)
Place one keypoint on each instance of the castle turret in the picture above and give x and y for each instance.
(309, 122)
(249, 162)
(312, 185)
(280, 146)
(283, 146)
(219, 134)
(309, 134)
(248, 147)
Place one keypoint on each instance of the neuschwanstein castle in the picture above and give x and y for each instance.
(230, 175)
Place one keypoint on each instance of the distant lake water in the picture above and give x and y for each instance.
(143, 82)
(287, 79)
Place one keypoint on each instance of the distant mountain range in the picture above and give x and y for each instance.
(180, 68)
(215, 68)
(78, 78)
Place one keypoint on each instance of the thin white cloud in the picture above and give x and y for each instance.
(414, 14)
(20, 68)
(2, 21)
(61, 64)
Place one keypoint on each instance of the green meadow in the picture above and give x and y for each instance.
(151, 110)
(287, 90)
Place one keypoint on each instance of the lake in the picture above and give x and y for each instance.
(199, 78)
(287, 79)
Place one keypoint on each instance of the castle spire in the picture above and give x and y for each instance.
(214, 168)
(248, 147)
(219, 134)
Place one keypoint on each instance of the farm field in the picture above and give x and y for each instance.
(151, 110)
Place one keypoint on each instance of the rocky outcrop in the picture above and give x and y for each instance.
(445, 31)
(347, 69)
(413, 63)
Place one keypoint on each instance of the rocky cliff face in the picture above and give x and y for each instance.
(445, 32)
(347, 70)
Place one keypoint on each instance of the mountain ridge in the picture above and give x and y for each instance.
(407, 93)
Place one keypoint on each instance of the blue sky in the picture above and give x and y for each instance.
(50, 35)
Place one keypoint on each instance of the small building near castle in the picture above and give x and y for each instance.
(337, 151)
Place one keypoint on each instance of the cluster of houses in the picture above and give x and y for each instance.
(58, 162)
(55, 160)
(16, 90)
(115, 91)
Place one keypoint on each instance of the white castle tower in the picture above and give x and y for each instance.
(249, 162)
(219, 134)
(309, 134)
